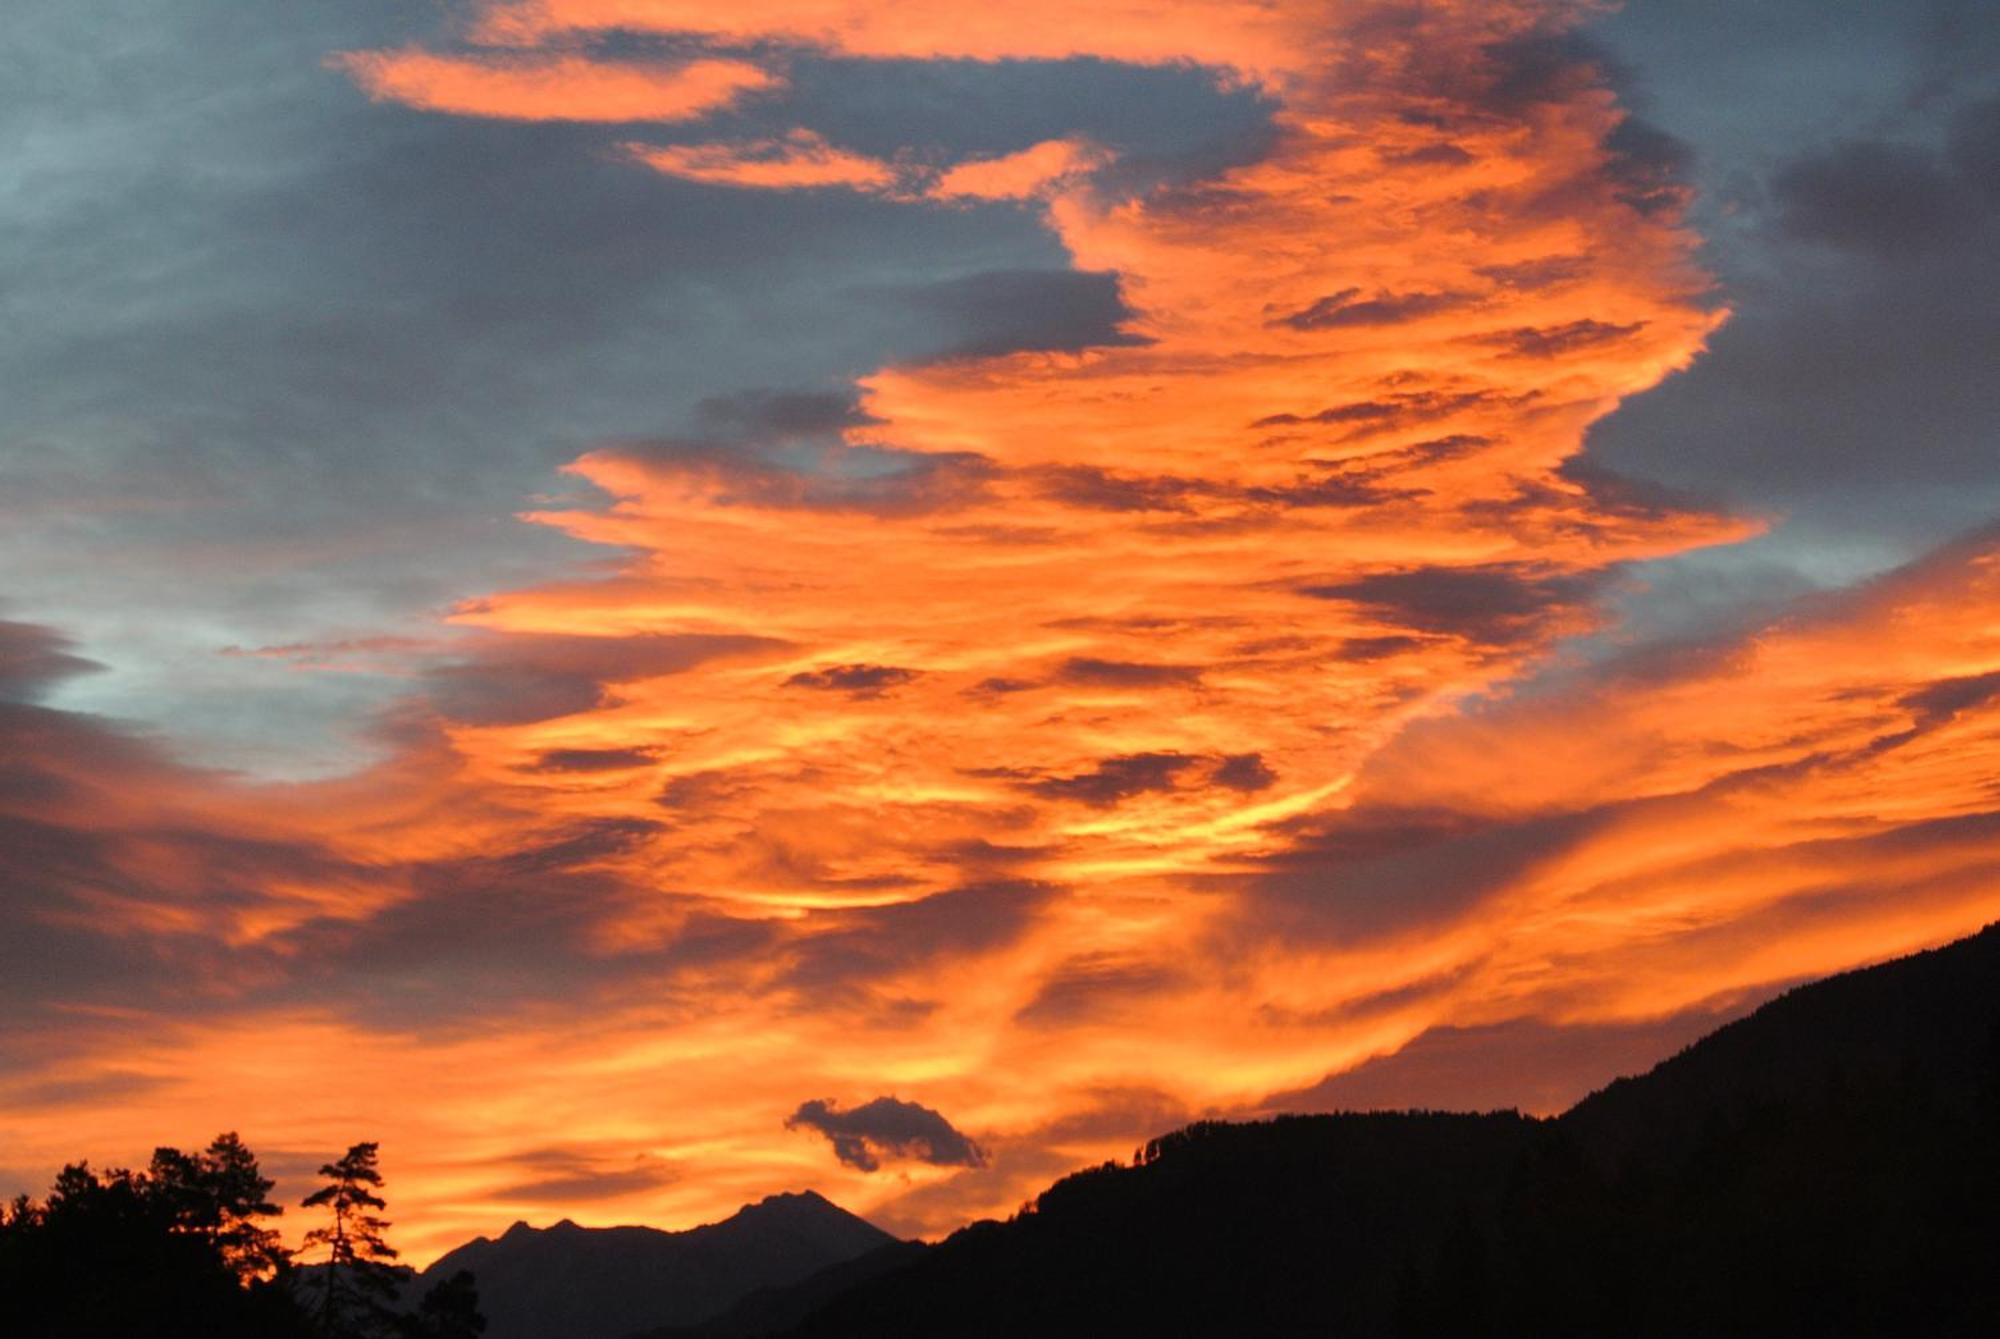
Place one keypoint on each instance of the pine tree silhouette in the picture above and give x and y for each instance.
(358, 1286)
(219, 1194)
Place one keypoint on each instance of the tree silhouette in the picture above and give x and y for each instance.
(450, 1310)
(358, 1285)
(169, 1252)
(219, 1194)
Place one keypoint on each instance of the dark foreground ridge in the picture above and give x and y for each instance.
(1829, 1165)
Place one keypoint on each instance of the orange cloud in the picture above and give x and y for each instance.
(802, 160)
(1019, 176)
(553, 87)
(1245, 34)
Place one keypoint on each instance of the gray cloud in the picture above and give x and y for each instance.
(34, 659)
(1875, 197)
(1847, 185)
(1495, 605)
(1005, 311)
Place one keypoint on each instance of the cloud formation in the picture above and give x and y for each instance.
(554, 87)
(1162, 700)
(887, 1127)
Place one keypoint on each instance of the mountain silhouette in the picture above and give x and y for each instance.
(1828, 1165)
(570, 1282)
(776, 1309)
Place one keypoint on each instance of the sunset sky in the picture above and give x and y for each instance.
(654, 602)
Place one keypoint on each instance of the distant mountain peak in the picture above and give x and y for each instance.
(567, 1281)
(792, 1203)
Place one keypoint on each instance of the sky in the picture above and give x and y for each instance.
(651, 605)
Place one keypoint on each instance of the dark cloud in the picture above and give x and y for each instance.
(1365, 649)
(1548, 272)
(1354, 484)
(1557, 340)
(593, 760)
(123, 888)
(812, 471)
(1011, 311)
(513, 678)
(1375, 871)
(1974, 145)
(1442, 154)
(1247, 772)
(839, 953)
(1112, 781)
(1357, 485)
(1003, 685)
(887, 1127)
(1348, 308)
(766, 416)
(1493, 605)
(1093, 672)
(1542, 67)
(33, 659)
(1849, 195)
(1099, 489)
(1652, 168)
(1115, 779)
(1092, 986)
(858, 680)
(1872, 197)
(479, 933)
(1851, 391)
(1404, 409)
(1941, 701)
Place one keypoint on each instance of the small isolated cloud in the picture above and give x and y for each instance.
(552, 88)
(887, 1127)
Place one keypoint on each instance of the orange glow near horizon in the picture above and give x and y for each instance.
(1075, 743)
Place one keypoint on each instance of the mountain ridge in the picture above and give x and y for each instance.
(565, 1281)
